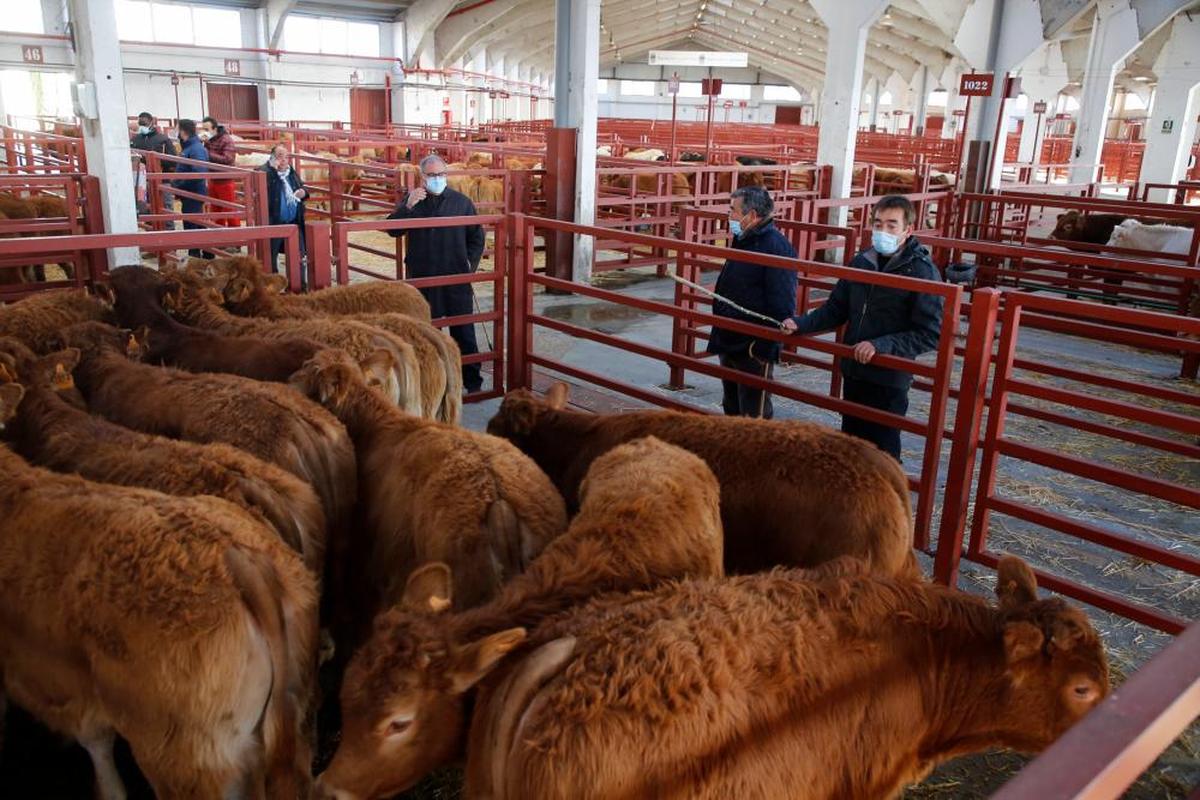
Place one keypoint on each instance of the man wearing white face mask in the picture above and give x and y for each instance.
(452, 250)
(880, 320)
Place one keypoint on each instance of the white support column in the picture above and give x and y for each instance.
(848, 24)
(54, 17)
(873, 119)
(1173, 118)
(921, 111)
(106, 135)
(1114, 37)
(577, 70)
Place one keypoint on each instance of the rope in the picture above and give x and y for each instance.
(726, 301)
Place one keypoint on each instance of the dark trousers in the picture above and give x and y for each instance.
(189, 206)
(746, 401)
(457, 301)
(277, 248)
(893, 399)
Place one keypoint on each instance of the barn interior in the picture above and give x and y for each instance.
(1048, 148)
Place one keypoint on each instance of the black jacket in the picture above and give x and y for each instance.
(157, 142)
(275, 189)
(897, 321)
(767, 290)
(441, 251)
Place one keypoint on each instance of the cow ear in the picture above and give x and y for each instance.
(1015, 583)
(429, 588)
(476, 660)
(378, 366)
(1022, 640)
(10, 398)
(104, 294)
(238, 291)
(1066, 633)
(56, 368)
(170, 295)
(276, 284)
(556, 398)
(137, 343)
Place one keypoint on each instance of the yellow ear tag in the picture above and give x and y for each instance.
(62, 379)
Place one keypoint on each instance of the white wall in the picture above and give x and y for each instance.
(691, 109)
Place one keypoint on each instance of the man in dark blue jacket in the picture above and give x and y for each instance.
(769, 291)
(894, 322)
(192, 148)
(285, 200)
(452, 250)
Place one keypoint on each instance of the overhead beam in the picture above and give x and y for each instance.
(421, 21)
(456, 33)
(277, 12)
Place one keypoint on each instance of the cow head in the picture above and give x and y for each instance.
(330, 376)
(96, 338)
(1069, 224)
(519, 412)
(402, 700)
(10, 398)
(141, 295)
(1056, 667)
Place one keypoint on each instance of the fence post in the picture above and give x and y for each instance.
(679, 340)
(257, 212)
(316, 239)
(520, 242)
(93, 222)
(968, 419)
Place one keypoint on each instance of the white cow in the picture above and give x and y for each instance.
(1135, 235)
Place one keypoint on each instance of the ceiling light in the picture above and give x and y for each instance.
(1141, 78)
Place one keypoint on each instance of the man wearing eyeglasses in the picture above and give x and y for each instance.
(453, 250)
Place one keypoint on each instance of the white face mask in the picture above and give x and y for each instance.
(205, 135)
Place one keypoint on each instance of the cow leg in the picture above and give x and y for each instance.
(99, 746)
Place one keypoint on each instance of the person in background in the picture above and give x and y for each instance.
(193, 149)
(285, 200)
(150, 138)
(894, 322)
(770, 291)
(221, 150)
(453, 250)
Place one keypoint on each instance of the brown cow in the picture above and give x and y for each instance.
(430, 492)
(267, 420)
(180, 624)
(36, 320)
(52, 433)
(649, 515)
(792, 493)
(1076, 226)
(251, 293)
(171, 343)
(830, 686)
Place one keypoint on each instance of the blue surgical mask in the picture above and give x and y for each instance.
(885, 243)
(143, 129)
(436, 185)
(735, 227)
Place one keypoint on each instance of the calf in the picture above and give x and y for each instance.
(180, 624)
(1075, 226)
(268, 421)
(52, 433)
(169, 342)
(368, 297)
(1134, 235)
(833, 686)
(649, 515)
(430, 492)
(792, 493)
(248, 292)
(36, 320)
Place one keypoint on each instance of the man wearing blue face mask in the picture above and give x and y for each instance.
(770, 291)
(452, 250)
(894, 322)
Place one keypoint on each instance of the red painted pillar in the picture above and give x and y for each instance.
(560, 198)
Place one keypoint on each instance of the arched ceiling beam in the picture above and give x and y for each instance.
(455, 34)
(421, 21)
(277, 12)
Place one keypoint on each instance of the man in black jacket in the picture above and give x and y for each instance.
(894, 322)
(149, 137)
(285, 200)
(453, 250)
(769, 291)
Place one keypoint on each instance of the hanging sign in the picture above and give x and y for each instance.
(711, 86)
(673, 85)
(32, 54)
(728, 104)
(1168, 125)
(976, 84)
(1039, 107)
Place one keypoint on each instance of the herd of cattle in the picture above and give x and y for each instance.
(238, 488)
